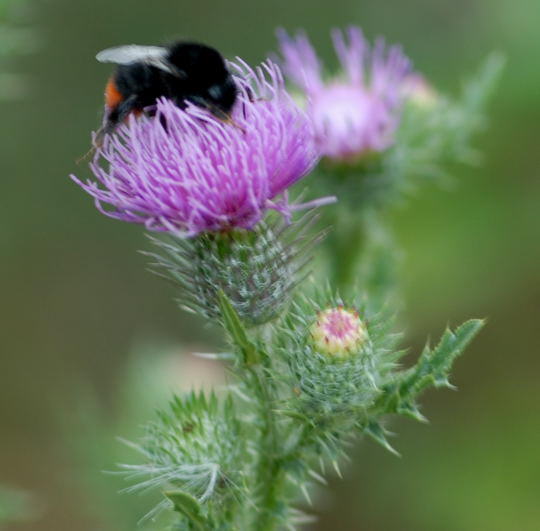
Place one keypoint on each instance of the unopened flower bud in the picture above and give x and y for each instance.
(338, 332)
(332, 359)
(419, 92)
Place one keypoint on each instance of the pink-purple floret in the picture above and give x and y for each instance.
(186, 171)
(359, 110)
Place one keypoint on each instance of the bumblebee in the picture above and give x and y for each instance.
(182, 72)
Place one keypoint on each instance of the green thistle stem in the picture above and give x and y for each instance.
(269, 474)
(275, 478)
(363, 257)
(343, 247)
(346, 257)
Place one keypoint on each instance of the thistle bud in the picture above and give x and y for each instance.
(420, 92)
(338, 332)
(334, 366)
(193, 446)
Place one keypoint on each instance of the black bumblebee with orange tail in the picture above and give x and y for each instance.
(183, 72)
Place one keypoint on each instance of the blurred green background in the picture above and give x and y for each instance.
(87, 334)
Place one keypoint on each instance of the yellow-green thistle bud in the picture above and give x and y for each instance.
(332, 357)
(338, 332)
(420, 92)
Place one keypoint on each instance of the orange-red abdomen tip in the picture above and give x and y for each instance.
(113, 98)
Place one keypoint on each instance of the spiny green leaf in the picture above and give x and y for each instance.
(236, 329)
(477, 91)
(411, 411)
(188, 506)
(434, 366)
(378, 434)
(292, 414)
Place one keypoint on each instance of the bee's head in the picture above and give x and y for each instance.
(205, 73)
(222, 94)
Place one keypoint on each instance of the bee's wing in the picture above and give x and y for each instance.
(133, 53)
(125, 55)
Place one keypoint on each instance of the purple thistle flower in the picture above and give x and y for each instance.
(359, 111)
(187, 172)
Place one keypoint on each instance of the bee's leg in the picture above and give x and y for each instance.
(97, 141)
(227, 119)
(115, 117)
(126, 108)
(250, 94)
(86, 155)
(220, 114)
(224, 117)
(99, 137)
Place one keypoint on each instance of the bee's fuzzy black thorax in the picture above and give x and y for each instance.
(191, 72)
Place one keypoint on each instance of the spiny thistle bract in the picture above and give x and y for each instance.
(194, 450)
(257, 270)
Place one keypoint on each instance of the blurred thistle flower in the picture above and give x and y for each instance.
(338, 332)
(186, 172)
(357, 112)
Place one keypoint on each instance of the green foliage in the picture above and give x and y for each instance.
(187, 506)
(233, 324)
(432, 140)
(15, 506)
(243, 465)
(14, 41)
(333, 396)
(432, 369)
(401, 389)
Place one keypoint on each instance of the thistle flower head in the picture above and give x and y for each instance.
(188, 172)
(338, 332)
(358, 111)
